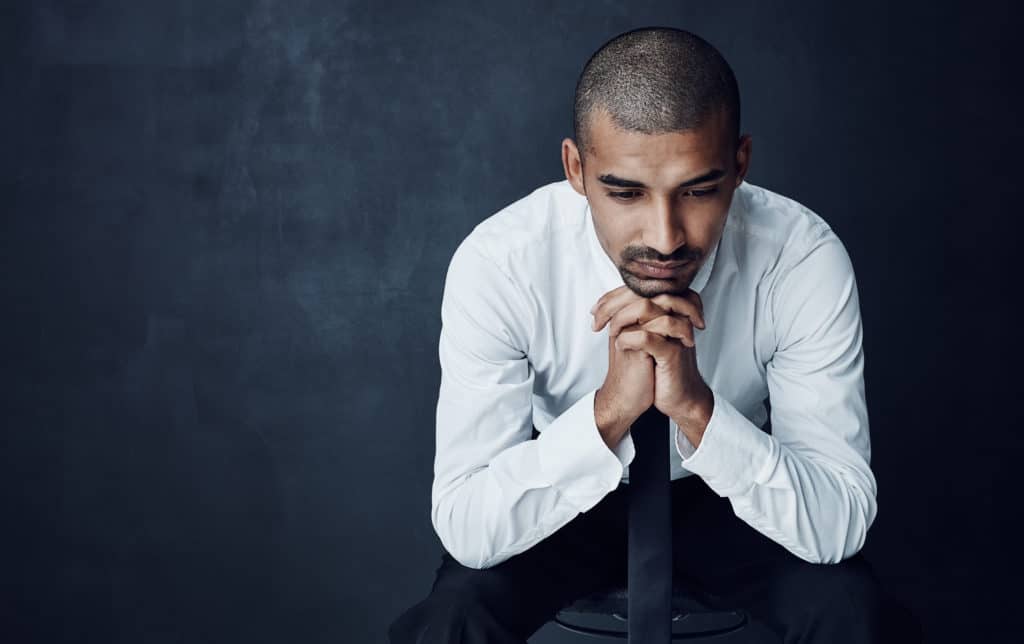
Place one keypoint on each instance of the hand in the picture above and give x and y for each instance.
(658, 328)
(627, 392)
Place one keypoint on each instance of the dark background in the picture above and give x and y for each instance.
(226, 228)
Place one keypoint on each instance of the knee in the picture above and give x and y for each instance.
(848, 588)
(441, 618)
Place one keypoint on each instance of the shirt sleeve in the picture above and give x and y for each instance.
(496, 490)
(808, 485)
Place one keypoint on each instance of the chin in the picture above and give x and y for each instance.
(649, 287)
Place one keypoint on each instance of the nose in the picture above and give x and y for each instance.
(662, 231)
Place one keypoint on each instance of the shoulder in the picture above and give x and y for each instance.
(807, 279)
(508, 262)
(801, 266)
(529, 224)
(779, 226)
(532, 239)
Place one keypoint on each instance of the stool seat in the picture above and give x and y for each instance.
(598, 613)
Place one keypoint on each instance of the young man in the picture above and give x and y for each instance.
(652, 276)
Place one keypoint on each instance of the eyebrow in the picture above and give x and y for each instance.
(619, 182)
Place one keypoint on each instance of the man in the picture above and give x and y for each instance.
(653, 275)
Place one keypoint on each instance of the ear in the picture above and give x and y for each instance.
(573, 165)
(743, 158)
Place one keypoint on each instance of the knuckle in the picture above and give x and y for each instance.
(670, 324)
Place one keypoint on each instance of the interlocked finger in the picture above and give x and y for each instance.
(671, 326)
(636, 313)
(659, 347)
(689, 305)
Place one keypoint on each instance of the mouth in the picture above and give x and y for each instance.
(660, 271)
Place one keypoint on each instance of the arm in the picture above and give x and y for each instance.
(497, 492)
(808, 485)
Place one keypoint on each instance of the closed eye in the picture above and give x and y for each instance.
(629, 195)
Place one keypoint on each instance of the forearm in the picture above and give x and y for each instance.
(816, 511)
(693, 420)
(494, 514)
(818, 508)
(611, 426)
(526, 491)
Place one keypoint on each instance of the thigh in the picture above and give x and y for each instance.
(733, 565)
(808, 602)
(711, 544)
(522, 593)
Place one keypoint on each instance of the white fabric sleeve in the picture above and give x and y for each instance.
(808, 485)
(496, 491)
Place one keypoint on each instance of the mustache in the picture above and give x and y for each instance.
(658, 258)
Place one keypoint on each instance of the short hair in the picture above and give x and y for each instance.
(655, 80)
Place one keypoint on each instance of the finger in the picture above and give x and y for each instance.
(688, 305)
(635, 313)
(604, 298)
(609, 303)
(680, 328)
(656, 345)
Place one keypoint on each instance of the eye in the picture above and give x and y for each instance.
(629, 195)
(624, 196)
(701, 193)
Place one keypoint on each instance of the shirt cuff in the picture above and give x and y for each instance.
(575, 459)
(733, 453)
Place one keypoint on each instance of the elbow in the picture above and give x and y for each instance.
(847, 545)
(454, 537)
(466, 556)
(853, 529)
(835, 555)
(470, 555)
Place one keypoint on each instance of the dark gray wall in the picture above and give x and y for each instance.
(226, 228)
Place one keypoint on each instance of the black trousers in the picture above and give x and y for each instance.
(716, 554)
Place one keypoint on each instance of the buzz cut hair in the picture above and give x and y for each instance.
(655, 80)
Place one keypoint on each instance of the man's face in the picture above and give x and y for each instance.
(657, 198)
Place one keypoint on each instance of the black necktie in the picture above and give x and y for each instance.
(650, 532)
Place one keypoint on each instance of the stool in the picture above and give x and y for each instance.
(692, 620)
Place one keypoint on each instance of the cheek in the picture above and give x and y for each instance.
(709, 218)
(615, 232)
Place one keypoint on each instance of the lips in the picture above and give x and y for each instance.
(659, 271)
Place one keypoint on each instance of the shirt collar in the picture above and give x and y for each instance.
(609, 272)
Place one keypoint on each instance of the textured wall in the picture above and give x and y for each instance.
(226, 227)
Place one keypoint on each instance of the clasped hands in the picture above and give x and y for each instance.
(658, 328)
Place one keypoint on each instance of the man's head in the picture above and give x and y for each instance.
(657, 151)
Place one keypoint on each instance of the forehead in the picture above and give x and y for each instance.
(655, 159)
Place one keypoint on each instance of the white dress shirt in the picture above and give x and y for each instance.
(783, 335)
